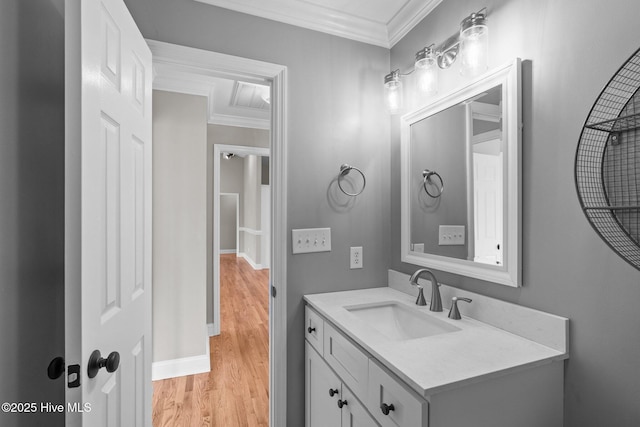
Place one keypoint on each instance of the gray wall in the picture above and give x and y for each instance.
(179, 225)
(572, 48)
(229, 222)
(335, 115)
(231, 181)
(31, 205)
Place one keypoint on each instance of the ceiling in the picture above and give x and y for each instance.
(229, 102)
(378, 22)
(235, 103)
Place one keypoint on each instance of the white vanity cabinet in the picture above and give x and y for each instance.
(328, 401)
(377, 392)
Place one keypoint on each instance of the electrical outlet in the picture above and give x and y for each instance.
(450, 235)
(356, 257)
(311, 240)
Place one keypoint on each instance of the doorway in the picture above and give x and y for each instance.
(171, 61)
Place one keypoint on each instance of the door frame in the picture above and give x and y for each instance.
(218, 149)
(171, 58)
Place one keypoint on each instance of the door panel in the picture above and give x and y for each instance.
(109, 213)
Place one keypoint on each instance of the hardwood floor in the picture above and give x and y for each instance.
(236, 391)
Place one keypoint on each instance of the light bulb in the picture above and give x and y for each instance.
(426, 71)
(393, 91)
(474, 44)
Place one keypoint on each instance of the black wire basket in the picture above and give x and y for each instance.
(607, 169)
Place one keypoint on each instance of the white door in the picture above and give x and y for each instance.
(108, 214)
(487, 186)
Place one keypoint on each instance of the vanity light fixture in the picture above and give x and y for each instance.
(470, 43)
(426, 71)
(393, 91)
(474, 37)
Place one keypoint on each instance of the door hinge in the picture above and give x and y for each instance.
(273, 291)
(73, 376)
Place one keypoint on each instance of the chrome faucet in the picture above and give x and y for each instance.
(436, 299)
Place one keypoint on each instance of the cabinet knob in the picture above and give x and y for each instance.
(341, 403)
(386, 408)
(310, 329)
(333, 392)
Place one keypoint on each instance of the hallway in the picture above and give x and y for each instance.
(235, 392)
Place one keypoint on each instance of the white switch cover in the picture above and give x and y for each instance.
(418, 247)
(451, 235)
(311, 240)
(356, 257)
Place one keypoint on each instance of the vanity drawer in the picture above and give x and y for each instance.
(313, 328)
(409, 409)
(349, 362)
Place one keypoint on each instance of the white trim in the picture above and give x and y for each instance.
(250, 231)
(510, 273)
(228, 251)
(201, 61)
(237, 121)
(212, 330)
(410, 16)
(184, 366)
(250, 260)
(327, 20)
(180, 367)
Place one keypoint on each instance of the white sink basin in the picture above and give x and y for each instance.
(398, 322)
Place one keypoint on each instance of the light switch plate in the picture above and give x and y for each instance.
(308, 240)
(450, 235)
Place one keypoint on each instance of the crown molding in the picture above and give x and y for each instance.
(408, 17)
(237, 121)
(330, 21)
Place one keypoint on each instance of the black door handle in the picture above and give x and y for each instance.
(56, 368)
(96, 362)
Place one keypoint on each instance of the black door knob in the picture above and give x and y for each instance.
(310, 329)
(341, 403)
(333, 392)
(386, 408)
(97, 362)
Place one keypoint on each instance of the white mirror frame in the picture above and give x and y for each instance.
(510, 273)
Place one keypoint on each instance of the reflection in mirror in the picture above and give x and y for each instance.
(466, 221)
(461, 179)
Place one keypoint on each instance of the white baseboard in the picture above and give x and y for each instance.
(228, 251)
(213, 329)
(180, 367)
(184, 366)
(251, 262)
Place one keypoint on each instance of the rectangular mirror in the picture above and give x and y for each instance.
(461, 180)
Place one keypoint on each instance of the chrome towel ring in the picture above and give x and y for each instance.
(426, 176)
(344, 171)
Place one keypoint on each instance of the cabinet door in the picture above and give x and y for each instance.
(321, 408)
(353, 413)
(403, 408)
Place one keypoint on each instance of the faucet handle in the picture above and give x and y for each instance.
(420, 300)
(454, 313)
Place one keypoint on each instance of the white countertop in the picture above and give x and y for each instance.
(440, 362)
